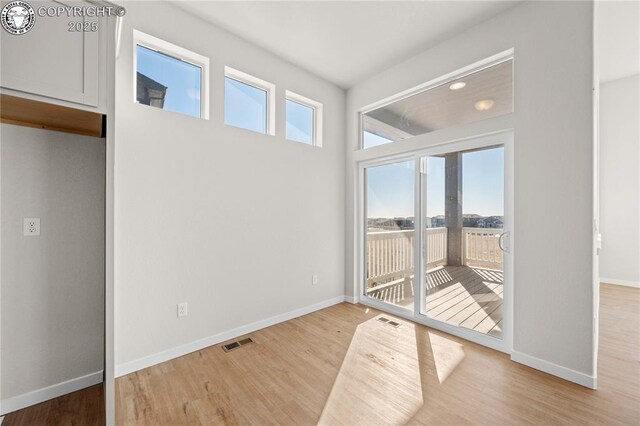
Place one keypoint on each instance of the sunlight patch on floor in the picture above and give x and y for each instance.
(380, 381)
(447, 355)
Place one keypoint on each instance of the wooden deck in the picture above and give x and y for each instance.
(466, 296)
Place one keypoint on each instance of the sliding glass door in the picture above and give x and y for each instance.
(389, 233)
(435, 240)
(463, 205)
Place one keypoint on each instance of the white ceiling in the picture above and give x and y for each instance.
(619, 38)
(345, 42)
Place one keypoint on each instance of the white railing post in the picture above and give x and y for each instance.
(480, 247)
(464, 246)
(435, 247)
(389, 254)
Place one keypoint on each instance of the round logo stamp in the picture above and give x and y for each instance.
(18, 17)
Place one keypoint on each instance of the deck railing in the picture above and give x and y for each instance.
(390, 253)
(435, 249)
(480, 247)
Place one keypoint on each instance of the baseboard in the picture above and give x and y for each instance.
(555, 370)
(350, 299)
(157, 358)
(634, 284)
(28, 399)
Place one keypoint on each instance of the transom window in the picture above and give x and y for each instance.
(303, 119)
(170, 77)
(475, 96)
(249, 102)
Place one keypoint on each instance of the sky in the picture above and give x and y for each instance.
(390, 188)
(181, 79)
(369, 140)
(299, 126)
(245, 106)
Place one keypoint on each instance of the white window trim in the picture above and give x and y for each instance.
(317, 115)
(270, 88)
(169, 49)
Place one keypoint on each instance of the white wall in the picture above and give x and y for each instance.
(618, 39)
(52, 285)
(233, 222)
(620, 181)
(553, 169)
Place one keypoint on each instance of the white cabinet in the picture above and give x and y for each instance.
(53, 59)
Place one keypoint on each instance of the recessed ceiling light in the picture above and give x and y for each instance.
(484, 105)
(457, 85)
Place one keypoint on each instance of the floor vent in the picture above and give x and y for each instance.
(388, 321)
(235, 345)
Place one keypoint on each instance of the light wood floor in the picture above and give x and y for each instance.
(469, 297)
(341, 366)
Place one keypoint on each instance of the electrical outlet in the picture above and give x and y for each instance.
(31, 226)
(182, 309)
(314, 280)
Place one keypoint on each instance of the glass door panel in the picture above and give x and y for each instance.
(463, 206)
(390, 232)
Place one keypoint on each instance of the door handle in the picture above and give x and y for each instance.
(500, 241)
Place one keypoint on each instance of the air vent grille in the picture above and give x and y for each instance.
(388, 321)
(235, 345)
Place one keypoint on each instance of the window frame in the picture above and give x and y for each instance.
(176, 52)
(317, 116)
(260, 84)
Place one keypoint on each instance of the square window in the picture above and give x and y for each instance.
(299, 122)
(303, 119)
(245, 106)
(167, 83)
(248, 102)
(170, 77)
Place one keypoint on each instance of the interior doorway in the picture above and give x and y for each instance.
(53, 163)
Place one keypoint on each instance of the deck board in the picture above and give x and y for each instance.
(470, 297)
(490, 326)
(448, 308)
(460, 289)
(482, 301)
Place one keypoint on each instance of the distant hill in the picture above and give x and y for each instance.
(470, 220)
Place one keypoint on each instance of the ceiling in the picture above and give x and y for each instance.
(619, 39)
(345, 42)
